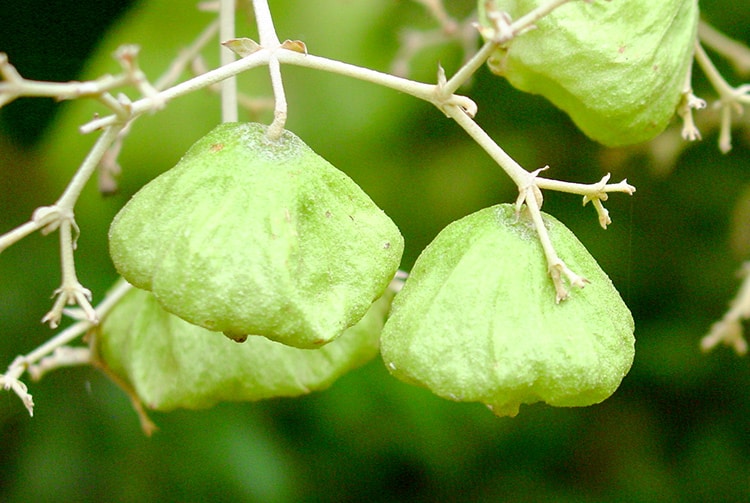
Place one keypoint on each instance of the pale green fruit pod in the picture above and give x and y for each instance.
(618, 69)
(250, 236)
(477, 319)
(169, 363)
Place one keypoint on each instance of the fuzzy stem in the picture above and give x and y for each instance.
(229, 86)
(262, 57)
(280, 109)
(730, 99)
(186, 56)
(467, 70)
(514, 170)
(10, 380)
(583, 189)
(737, 53)
(712, 73)
(120, 288)
(264, 21)
(528, 20)
(270, 40)
(202, 81)
(49, 218)
(73, 190)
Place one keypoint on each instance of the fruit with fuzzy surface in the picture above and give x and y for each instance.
(617, 68)
(250, 236)
(477, 321)
(169, 363)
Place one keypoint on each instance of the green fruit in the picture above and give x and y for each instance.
(477, 319)
(250, 236)
(170, 363)
(617, 68)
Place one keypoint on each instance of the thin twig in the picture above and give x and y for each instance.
(11, 379)
(229, 86)
(48, 218)
(270, 40)
(731, 100)
(14, 86)
(729, 329)
(143, 105)
(737, 53)
(186, 56)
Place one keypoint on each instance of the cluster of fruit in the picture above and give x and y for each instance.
(266, 242)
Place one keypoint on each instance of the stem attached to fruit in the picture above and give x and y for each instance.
(528, 193)
(530, 186)
(279, 112)
(270, 41)
(555, 266)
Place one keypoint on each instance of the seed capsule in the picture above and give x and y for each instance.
(477, 321)
(249, 236)
(170, 363)
(617, 68)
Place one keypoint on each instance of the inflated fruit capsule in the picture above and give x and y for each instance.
(477, 319)
(617, 68)
(170, 363)
(252, 236)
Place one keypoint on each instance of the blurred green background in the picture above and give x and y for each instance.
(676, 430)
